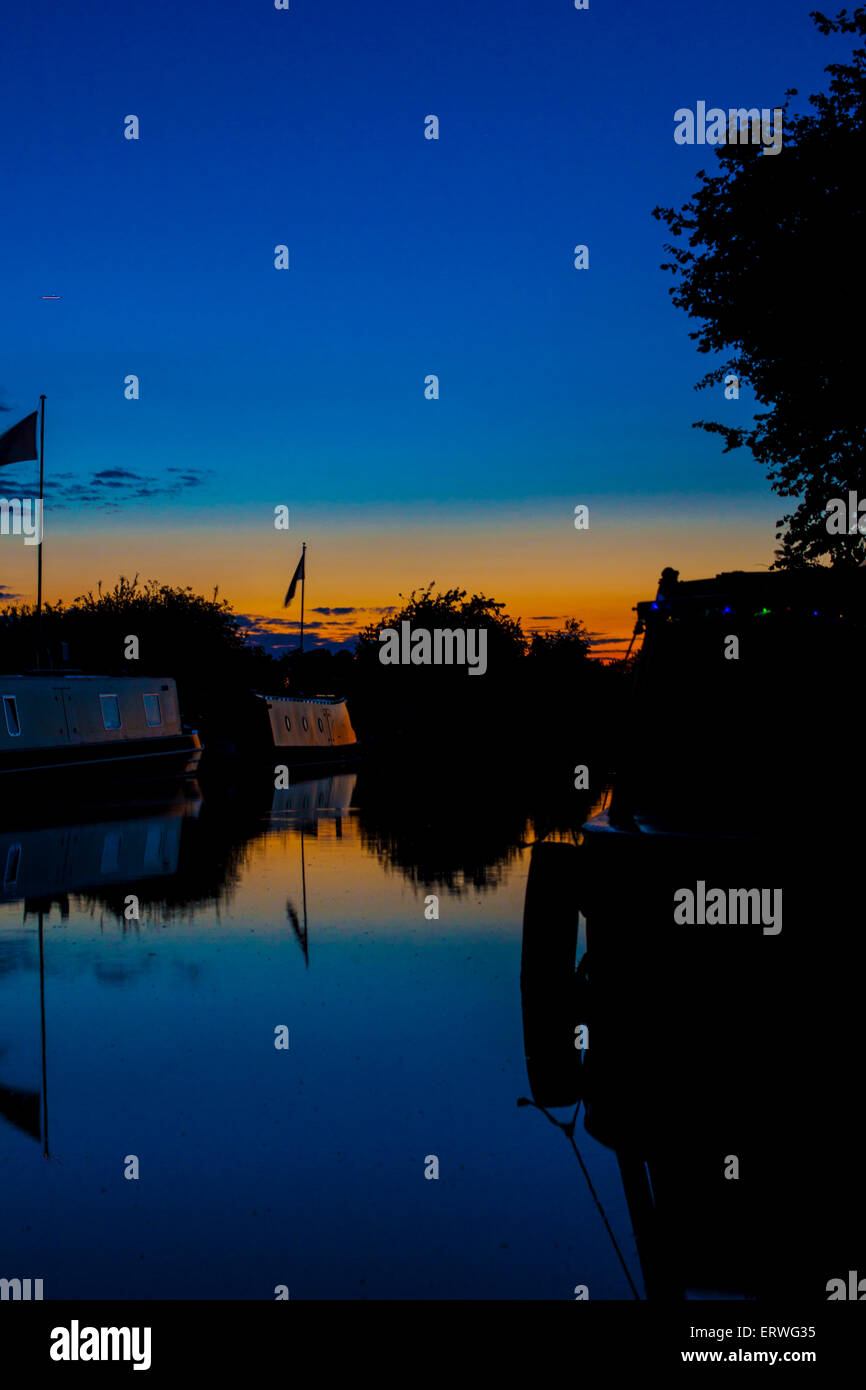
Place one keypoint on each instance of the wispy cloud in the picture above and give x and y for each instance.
(105, 489)
(280, 635)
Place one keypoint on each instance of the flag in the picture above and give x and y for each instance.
(298, 574)
(19, 444)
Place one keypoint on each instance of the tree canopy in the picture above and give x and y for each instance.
(197, 640)
(772, 268)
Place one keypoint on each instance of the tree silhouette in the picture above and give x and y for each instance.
(772, 268)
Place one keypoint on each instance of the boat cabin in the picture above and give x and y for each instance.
(52, 720)
(310, 728)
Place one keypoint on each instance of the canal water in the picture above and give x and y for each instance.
(146, 1044)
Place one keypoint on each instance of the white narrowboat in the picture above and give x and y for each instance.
(311, 728)
(116, 726)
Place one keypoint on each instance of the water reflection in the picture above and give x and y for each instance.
(716, 1071)
(263, 908)
(304, 907)
(47, 862)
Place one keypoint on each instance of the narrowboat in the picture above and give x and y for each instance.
(99, 726)
(744, 685)
(730, 776)
(310, 728)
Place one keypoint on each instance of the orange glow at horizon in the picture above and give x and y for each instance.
(532, 561)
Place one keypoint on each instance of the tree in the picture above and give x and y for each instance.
(197, 640)
(451, 609)
(562, 649)
(772, 268)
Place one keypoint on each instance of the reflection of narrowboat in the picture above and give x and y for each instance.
(50, 861)
(100, 726)
(303, 801)
(310, 728)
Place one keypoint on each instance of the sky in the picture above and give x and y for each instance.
(305, 387)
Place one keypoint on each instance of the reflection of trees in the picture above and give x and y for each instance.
(457, 825)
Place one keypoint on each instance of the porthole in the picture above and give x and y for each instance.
(306, 723)
(321, 725)
(288, 723)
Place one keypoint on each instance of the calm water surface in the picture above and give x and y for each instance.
(258, 1166)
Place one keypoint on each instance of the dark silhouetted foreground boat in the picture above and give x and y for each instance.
(104, 727)
(707, 1050)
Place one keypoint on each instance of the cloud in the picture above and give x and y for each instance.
(107, 489)
(328, 611)
(280, 635)
(254, 622)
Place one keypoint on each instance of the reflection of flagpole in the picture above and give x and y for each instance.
(304, 892)
(41, 528)
(42, 1007)
(301, 933)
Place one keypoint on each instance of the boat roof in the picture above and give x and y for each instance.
(303, 699)
(84, 676)
(744, 591)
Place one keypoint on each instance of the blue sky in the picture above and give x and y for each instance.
(305, 127)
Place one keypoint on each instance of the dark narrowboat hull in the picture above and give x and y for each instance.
(147, 759)
(310, 757)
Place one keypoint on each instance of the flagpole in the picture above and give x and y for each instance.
(41, 529)
(303, 582)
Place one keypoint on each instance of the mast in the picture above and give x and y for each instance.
(303, 582)
(41, 529)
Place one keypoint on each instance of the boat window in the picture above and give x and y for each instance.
(13, 863)
(288, 723)
(110, 711)
(10, 709)
(152, 844)
(110, 862)
(152, 711)
(305, 722)
(321, 726)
